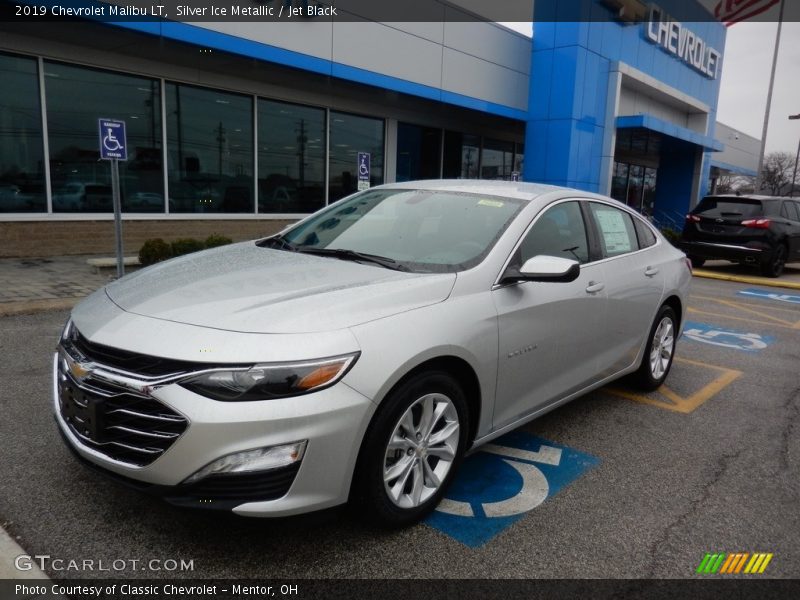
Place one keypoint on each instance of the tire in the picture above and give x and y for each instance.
(657, 360)
(774, 266)
(697, 262)
(392, 484)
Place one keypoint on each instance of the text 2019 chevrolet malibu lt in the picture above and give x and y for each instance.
(360, 353)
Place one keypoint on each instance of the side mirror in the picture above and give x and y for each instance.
(545, 268)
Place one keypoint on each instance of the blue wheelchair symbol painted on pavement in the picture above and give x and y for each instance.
(726, 338)
(767, 295)
(504, 481)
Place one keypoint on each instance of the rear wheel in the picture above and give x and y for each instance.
(412, 449)
(774, 266)
(659, 352)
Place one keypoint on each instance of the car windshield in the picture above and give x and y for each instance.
(416, 230)
(729, 207)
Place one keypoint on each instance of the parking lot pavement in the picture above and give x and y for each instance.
(634, 485)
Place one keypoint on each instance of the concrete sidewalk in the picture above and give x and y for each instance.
(727, 271)
(35, 284)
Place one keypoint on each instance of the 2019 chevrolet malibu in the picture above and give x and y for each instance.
(361, 352)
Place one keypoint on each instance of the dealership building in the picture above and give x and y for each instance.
(241, 127)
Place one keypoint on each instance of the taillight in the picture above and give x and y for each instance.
(757, 223)
(688, 263)
(693, 218)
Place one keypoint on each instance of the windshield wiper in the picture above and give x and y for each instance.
(277, 242)
(345, 254)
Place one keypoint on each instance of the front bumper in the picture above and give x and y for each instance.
(333, 421)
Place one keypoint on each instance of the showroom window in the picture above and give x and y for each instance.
(21, 152)
(462, 155)
(418, 152)
(351, 134)
(76, 98)
(210, 150)
(635, 185)
(497, 159)
(291, 157)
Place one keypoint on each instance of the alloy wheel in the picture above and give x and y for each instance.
(662, 347)
(421, 450)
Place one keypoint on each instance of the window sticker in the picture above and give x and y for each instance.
(492, 203)
(615, 235)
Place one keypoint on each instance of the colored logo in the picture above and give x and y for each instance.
(734, 563)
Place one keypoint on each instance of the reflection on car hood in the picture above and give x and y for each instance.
(246, 288)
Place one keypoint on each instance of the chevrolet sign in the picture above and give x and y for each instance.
(679, 41)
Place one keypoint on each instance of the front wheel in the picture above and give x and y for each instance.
(412, 449)
(697, 262)
(659, 352)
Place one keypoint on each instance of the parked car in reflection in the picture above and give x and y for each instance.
(83, 196)
(358, 355)
(762, 231)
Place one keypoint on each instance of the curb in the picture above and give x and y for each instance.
(778, 283)
(10, 550)
(29, 307)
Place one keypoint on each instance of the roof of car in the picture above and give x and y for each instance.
(510, 189)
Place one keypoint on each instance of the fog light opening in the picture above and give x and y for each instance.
(252, 461)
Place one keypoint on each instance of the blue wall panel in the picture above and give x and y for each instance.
(570, 66)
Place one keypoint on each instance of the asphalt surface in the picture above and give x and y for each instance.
(669, 486)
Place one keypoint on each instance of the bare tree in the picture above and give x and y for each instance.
(730, 183)
(776, 174)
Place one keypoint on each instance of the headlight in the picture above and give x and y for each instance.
(270, 381)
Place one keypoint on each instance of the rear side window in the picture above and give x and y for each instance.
(790, 211)
(729, 207)
(617, 234)
(646, 237)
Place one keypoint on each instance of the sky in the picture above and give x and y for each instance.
(745, 81)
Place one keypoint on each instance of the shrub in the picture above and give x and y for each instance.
(215, 240)
(153, 251)
(186, 246)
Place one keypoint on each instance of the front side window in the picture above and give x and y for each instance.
(615, 226)
(76, 98)
(560, 232)
(21, 149)
(419, 230)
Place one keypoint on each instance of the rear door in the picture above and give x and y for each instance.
(634, 275)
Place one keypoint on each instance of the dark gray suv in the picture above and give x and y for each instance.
(762, 231)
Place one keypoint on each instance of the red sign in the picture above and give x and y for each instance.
(734, 11)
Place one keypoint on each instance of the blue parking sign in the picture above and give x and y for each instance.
(112, 139)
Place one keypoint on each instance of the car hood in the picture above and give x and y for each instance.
(246, 288)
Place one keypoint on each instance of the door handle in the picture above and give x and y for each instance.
(595, 287)
(651, 271)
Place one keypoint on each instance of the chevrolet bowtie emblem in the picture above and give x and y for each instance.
(78, 370)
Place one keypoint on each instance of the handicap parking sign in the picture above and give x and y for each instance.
(112, 139)
(501, 483)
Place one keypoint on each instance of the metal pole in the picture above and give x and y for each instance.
(796, 158)
(769, 100)
(117, 215)
(794, 175)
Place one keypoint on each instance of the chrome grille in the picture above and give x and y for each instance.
(125, 426)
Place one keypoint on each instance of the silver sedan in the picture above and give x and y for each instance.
(358, 355)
